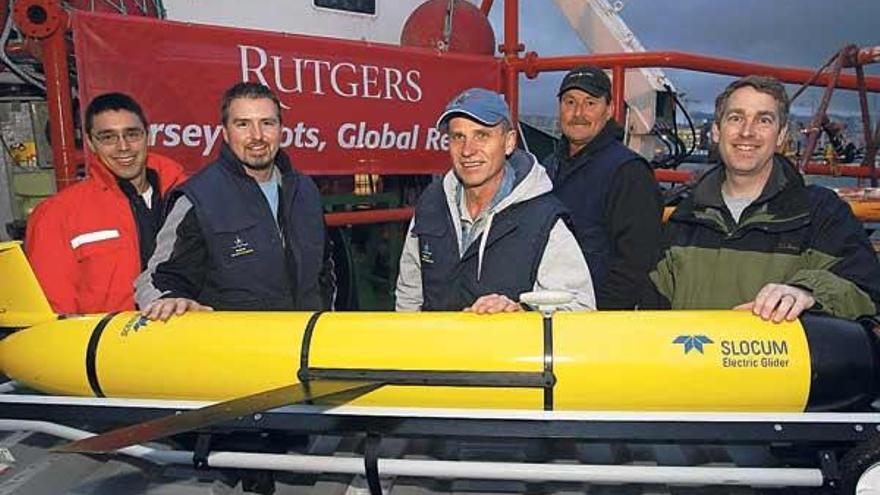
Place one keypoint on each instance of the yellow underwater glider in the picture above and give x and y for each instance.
(643, 376)
(625, 360)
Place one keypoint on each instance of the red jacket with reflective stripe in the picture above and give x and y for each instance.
(83, 242)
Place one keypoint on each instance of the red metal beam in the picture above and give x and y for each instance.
(666, 175)
(840, 170)
(47, 21)
(510, 49)
(618, 88)
(340, 219)
(486, 6)
(60, 109)
(814, 168)
(681, 60)
(682, 176)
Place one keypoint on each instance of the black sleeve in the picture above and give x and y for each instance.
(633, 215)
(658, 290)
(179, 263)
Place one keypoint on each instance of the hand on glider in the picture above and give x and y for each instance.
(779, 302)
(162, 309)
(493, 303)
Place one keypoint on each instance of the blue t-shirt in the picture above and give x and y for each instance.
(270, 191)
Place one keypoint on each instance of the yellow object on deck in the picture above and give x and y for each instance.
(683, 360)
(623, 360)
(22, 302)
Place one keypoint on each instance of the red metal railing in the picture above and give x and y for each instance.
(682, 176)
(338, 219)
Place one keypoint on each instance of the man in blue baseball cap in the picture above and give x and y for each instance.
(491, 229)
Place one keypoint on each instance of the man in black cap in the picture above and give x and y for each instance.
(610, 190)
(490, 230)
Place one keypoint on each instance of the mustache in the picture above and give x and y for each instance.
(579, 121)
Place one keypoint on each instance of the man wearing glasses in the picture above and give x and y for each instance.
(89, 242)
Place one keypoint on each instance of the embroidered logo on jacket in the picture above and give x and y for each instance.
(240, 248)
(426, 255)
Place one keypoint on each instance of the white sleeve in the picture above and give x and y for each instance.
(408, 294)
(563, 268)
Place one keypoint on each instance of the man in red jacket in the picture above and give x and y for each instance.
(90, 241)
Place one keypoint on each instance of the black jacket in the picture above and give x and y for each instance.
(513, 249)
(221, 246)
(616, 209)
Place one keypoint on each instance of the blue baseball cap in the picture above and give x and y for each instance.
(482, 105)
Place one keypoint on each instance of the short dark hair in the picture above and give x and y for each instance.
(247, 90)
(112, 102)
(762, 84)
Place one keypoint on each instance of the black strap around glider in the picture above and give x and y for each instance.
(303, 373)
(92, 354)
(545, 379)
(371, 463)
(549, 378)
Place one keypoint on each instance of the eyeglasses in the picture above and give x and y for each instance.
(110, 138)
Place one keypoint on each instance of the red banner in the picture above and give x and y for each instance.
(348, 107)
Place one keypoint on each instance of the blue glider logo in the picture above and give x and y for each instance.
(692, 342)
(134, 324)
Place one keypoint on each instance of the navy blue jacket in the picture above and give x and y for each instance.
(616, 210)
(224, 248)
(512, 256)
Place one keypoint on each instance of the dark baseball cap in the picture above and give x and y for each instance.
(482, 105)
(587, 78)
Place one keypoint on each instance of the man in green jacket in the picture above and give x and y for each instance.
(753, 236)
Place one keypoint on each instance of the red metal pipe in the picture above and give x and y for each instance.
(486, 6)
(618, 87)
(512, 93)
(840, 170)
(511, 28)
(666, 175)
(60, 108)
(47, 21)
(681, 60)
(511, 49)
(815, 168)
(340, 219)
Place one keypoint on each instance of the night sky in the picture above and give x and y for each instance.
(799, 33)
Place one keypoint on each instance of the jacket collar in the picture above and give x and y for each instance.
(564, 164)
(707, 191)
(783, 203)
(102, 175)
